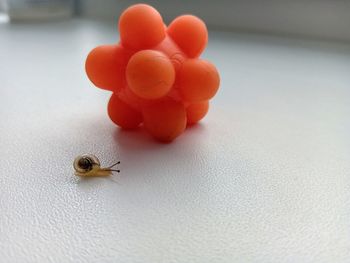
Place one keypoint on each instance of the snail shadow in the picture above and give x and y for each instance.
(85, 182)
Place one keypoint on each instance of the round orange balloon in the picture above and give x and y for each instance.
(150, 74)
(165, 119)
(199, 80)
(105, 66)
(190, 33)
(141, 27)
(196, 111)
(123, 114)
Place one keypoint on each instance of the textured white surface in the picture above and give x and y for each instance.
(264, 178)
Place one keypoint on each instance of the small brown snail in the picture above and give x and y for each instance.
(88, 165)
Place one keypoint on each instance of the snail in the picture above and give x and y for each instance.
(88, 165)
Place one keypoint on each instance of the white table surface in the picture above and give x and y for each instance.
(264, 178)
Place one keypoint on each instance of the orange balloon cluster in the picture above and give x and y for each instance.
(155, 72)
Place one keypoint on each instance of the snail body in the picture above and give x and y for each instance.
(88, 165)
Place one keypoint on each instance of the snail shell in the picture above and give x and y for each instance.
(85, 163)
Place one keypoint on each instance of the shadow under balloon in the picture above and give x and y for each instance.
(139, 140)
(138, 149)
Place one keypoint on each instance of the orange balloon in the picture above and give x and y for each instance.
(190, 33)
(141, 27)
(165, 119)
(105, 66)
(196, 111)
(150, 74)
(122, 114)
(199, 80)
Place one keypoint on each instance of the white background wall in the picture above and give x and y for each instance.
(2, 5)
(312, 18)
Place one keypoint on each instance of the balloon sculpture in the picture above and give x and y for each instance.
(155, 72)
